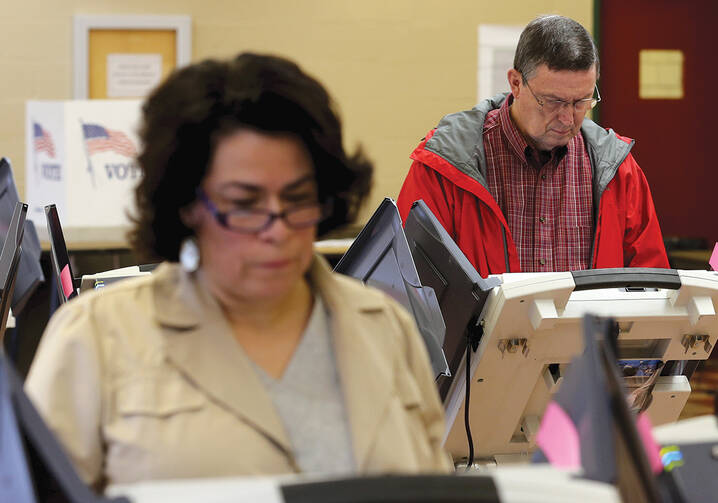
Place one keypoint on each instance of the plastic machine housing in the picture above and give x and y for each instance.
(533, 320)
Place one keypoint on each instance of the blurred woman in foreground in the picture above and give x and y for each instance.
(249, 356)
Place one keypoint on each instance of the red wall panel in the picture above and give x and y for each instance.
(674, 138)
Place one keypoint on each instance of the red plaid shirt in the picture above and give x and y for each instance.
(548, 204)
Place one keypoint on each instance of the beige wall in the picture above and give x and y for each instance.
(395, 67)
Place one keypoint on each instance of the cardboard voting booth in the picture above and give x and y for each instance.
(80, 155)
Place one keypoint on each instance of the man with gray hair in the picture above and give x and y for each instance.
(524, 182)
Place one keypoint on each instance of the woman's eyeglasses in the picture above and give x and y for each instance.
(254, 220)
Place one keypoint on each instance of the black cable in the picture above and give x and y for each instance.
(473, 338)
(467, 400)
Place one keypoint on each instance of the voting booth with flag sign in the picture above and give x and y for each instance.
(81, 157)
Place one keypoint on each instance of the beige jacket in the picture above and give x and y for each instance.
(144, 380)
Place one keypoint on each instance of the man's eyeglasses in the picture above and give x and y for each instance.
(254, 220)
(551, 106)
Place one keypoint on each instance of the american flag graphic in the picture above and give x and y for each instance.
(43, 140)
(100, 139)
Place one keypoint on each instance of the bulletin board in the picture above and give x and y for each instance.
(126, 56)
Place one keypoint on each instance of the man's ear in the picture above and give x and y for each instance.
(515, 79)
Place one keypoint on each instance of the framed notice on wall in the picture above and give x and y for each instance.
(127, 56)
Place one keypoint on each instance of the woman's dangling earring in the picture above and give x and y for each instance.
(189, 254)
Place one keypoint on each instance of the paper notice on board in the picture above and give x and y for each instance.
(132, 75)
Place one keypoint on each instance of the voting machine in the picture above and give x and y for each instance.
(530, 327)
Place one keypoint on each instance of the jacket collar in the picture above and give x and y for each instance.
(459, 138)
(607, 152)
(198, 340)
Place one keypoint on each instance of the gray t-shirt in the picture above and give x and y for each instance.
(310, 402)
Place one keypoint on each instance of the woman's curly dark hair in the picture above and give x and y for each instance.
(187, 115)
